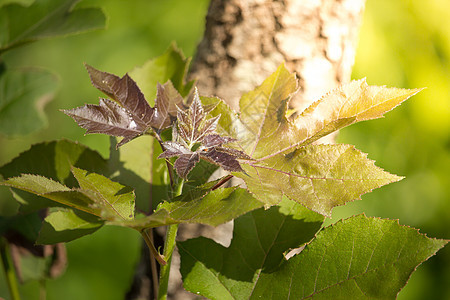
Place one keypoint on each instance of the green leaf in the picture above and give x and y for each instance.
(24, 93)
(216, 207)
(52, 160)
(97, 194)
(45, 19)
(259, 240)
(319, 177)
(357, 258)
(67, 225)
(115, 200)
(52, 190)
(201, 205)
(25, 225)
(172, 65)
(134, 169)
(264, 129)
(348, 104)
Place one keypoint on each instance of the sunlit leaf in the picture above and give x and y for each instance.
(348, 104)
(130, 115)
(193, 125)
(114, 199)
(97, 194)
(185, 163)
(146, 173)
(284, 161)
(263, 130)
(260, 239)
(45, 19)
(225, 159)
(319, 177)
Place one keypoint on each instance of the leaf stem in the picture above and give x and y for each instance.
(9, 271)
(222, 182)
(152, 248)
(169, 246)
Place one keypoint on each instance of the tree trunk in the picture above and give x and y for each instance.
(246, 40)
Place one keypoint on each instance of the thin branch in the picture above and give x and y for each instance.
(153, 266)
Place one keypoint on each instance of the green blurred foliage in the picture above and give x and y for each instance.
(407, 44)
(101, 266)
(404, 43)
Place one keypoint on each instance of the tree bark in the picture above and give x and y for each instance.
(246, 40)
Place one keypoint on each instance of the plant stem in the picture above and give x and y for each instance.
(222, 182)
(154, 270)
(169, 246)
(9, 271)
(152, 248)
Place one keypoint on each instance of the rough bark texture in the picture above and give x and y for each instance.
(246, 40)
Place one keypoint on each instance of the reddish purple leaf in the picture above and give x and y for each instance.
(193, 125)
(130, 115)
(226, 161)
(126, 92)
(167, 102)
(215, 140)
(185, 163)
(234, 152)
(195, 129)
(107, 118)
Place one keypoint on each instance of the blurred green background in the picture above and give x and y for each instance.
(404, 43)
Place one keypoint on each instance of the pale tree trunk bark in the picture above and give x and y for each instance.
(246, 40)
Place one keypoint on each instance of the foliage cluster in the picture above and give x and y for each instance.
(296, 180)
